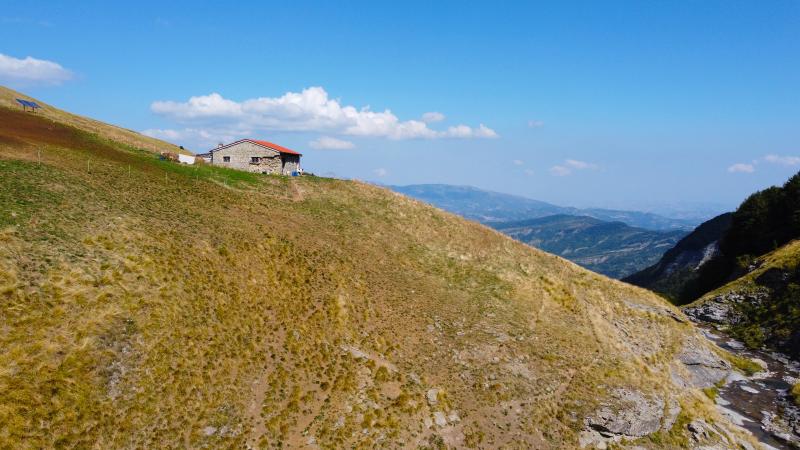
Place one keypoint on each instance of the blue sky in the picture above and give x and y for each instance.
(622, 104)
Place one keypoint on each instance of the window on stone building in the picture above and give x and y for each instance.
(255, 159)
(226, 159)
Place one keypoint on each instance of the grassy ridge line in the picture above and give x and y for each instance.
(146, 304)
(122, 135)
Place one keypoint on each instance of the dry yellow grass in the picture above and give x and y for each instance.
(146, 304)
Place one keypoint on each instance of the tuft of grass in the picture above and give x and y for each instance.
(795, 392)
(711, 392)
(744, 365)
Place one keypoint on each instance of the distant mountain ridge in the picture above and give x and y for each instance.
(614, 249)
(488, 206)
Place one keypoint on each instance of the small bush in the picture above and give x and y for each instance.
(796, 393)
(711, 392)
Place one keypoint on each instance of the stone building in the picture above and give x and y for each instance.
(255, 156)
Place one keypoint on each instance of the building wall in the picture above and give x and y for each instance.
(270, 161)
(241, 155)
(291, 163)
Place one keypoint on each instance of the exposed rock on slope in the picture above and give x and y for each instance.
(629, 414)
(146, 304)
(675, 274)
(704, 367)
(760, 307)
(765, 221)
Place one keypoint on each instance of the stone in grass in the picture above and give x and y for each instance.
(453, 417)
(433, 396)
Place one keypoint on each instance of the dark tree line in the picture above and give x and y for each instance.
(765, 221)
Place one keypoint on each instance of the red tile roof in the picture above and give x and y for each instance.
(275, 146)
(279, 148)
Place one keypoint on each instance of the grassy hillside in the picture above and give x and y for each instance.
(611, 248)
(147, 304)
(124, 136)
(762, 308)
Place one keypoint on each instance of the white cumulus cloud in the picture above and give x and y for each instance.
(560, 171)
(381, 172)
(206, 136)
(433, 116)
(32, 71)
(741, 168)
(517, 162)
(310, 110)
(783, 160)
(331, 143)
(535, 123)
(569, 166)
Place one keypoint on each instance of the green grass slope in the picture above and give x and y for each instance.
(145, 304)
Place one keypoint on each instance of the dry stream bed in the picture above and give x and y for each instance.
(760, 403)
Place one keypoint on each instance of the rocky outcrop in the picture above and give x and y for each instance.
(627, 414)
(782, 428)
(631, 414)
(705, 436)
(724, 309)
(701, 367)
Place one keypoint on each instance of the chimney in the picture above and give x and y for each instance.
(220, 144)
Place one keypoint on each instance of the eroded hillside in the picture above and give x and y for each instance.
(760, 307)
(147, 304)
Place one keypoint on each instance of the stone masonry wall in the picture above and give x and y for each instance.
(241, 155)
(271, 161)
(291, 163)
